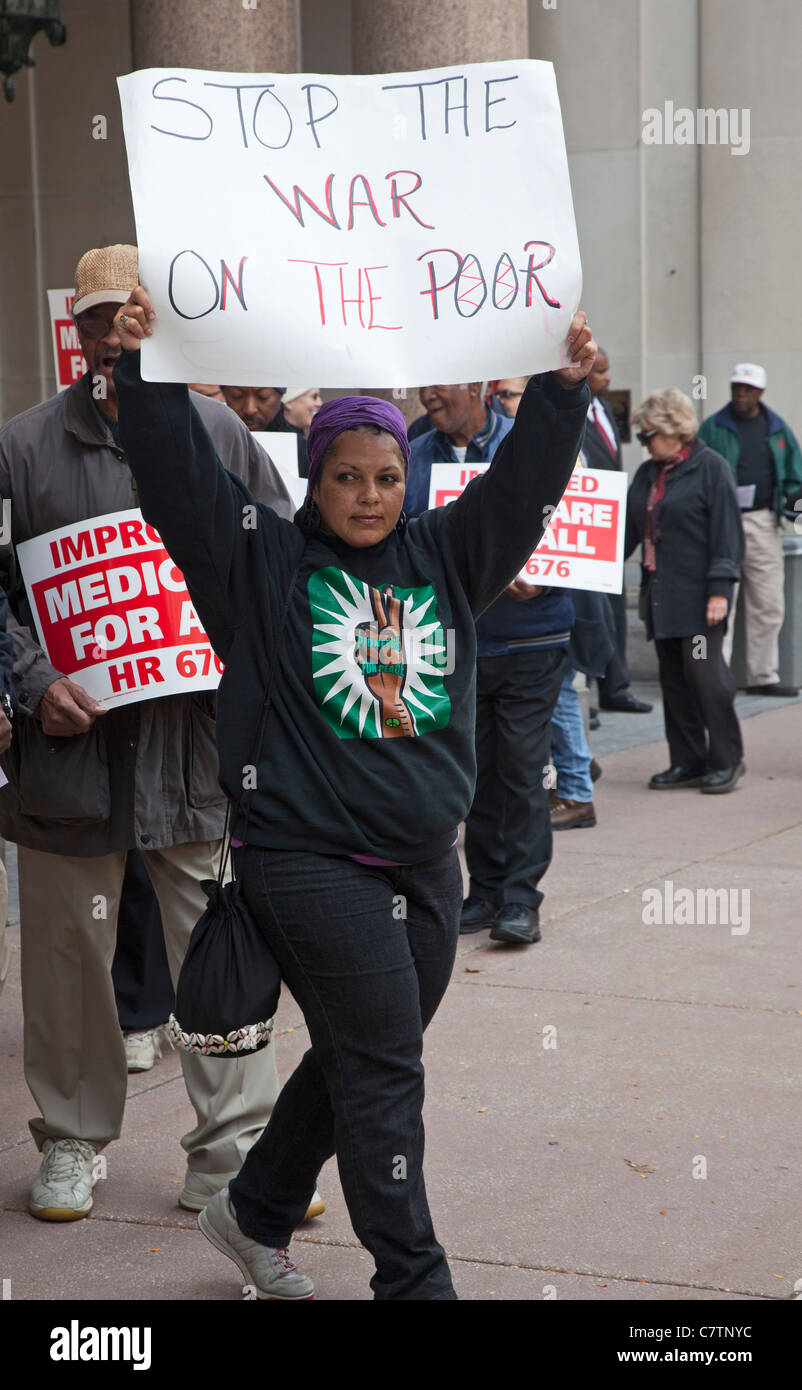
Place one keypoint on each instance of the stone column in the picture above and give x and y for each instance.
(405, 35)
(222, 35)
(409, 35)
(750, 199)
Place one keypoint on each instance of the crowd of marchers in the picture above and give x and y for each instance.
(126, 805)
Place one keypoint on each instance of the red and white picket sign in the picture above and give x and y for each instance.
(583, 545)
(67, 355)
(113, 613)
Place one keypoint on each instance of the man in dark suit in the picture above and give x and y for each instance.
(601, 448)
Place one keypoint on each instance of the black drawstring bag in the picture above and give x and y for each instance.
(229, 983)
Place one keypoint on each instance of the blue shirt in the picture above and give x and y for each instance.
(509, 625)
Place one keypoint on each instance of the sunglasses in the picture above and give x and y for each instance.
(643, 436)
(94, 326)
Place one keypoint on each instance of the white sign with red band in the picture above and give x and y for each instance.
(583, 545)
(67, 355)
(113, 613)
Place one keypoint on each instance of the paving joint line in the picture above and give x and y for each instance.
(644, 998)
(155, 1224)
(549, 1269)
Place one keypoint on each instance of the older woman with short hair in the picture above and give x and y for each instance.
(683, 509)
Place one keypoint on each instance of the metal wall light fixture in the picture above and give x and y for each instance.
(20, 22)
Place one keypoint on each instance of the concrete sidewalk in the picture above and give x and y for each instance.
(577, 1090)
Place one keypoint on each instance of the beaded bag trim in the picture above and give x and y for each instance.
(239, 1040)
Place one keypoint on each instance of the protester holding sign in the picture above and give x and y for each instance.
(522, 642)
(88, 783)
(683, 509)
(366, 769)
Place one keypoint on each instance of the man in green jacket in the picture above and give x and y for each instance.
(767, 463)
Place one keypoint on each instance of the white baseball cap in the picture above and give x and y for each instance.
(291, 393)
(749, 374)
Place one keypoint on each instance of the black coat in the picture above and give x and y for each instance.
(700, 541)
(594, 449)
(6, 650)
(593, 635)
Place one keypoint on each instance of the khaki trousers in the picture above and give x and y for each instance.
(762, 592)
(74, 1054)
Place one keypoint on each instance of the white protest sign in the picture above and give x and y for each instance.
(283, 450)
(583, 544)
(390, 230)
(68, 358)
(112, 611)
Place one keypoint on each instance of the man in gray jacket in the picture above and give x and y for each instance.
(86, 784)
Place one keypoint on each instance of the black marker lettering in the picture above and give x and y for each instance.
(313, 119)
(171, 296)
(181, 102)
(459, 105)
(495, 102)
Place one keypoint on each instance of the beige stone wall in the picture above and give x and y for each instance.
(689, 252)
(751, 205)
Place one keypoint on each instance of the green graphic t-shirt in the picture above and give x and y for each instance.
(379, 655)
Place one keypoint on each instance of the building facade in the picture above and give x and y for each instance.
(685, 234)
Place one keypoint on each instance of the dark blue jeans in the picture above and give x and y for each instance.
(367, 953)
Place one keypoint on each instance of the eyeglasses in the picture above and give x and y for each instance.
(508, 395)
(643, 436)
(93, 326)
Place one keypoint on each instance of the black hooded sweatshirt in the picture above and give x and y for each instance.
(369, 743)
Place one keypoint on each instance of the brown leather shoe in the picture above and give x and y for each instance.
(571, 815)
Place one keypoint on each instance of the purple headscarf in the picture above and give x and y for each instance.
(337, 415)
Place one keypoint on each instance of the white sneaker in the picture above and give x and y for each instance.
(62, 1189)
(199, 1188)
(141, 1049)
(270, 1272)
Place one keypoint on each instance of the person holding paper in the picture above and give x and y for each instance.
(365, 771)
(522, 642)
(87, 783)
(766, 460)
(683, 510)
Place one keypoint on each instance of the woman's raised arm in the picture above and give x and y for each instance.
(501, 516)
(197, 506)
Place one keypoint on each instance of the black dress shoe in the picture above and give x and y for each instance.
(626, 704)
(477, 913)
(784, 691)
(676, 777)
(723, 779)
(517, 923)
